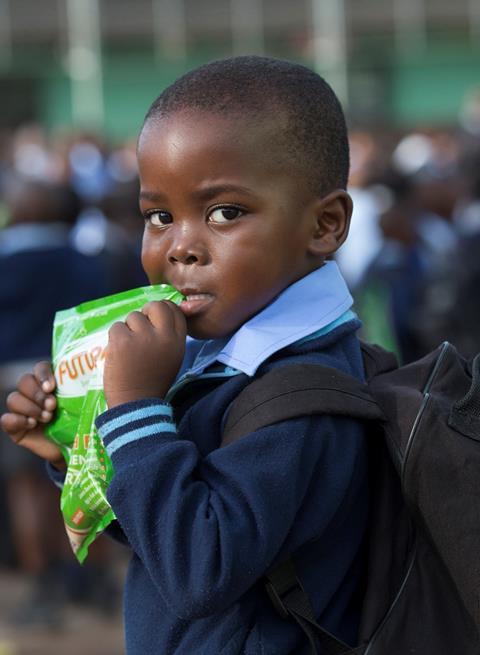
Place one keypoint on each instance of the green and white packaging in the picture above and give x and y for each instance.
(80, 336)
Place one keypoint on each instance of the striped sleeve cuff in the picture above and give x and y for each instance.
(58, 477)
(133, 422)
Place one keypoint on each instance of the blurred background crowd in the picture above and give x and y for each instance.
(76, 78)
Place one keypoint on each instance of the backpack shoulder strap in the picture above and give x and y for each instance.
(295, 390)
(291, 391)
(377, 360)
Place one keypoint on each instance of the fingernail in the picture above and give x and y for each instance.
(46, 385)
(31, 422)
(46, 416)
(49, 403)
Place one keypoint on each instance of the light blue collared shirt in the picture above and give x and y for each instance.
(312, 306)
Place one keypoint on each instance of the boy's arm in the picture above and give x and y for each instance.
(208, 528)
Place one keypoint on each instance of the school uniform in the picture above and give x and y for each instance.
(204, 523)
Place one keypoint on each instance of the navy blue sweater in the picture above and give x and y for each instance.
(204, 523)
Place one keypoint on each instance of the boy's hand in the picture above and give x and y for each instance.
(30, 407)
(144, 354)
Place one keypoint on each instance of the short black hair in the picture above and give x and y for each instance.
(315, 136)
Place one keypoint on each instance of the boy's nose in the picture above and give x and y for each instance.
(182, 258)
(186, 249)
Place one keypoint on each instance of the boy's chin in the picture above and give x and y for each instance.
(205, 332)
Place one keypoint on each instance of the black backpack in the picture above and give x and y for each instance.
(423, 589)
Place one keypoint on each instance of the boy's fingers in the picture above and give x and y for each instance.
(118, 330)
(29, 386)
(178, 317)
(180, 322)
(161, 313)
(44, 374)
(50, 403)
(15, 425)
(135, 321)
(18, 403)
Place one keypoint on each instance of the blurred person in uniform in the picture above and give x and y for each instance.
(110, 223)
(40, 273)
(120, 208)
(366, 237)
(419, 233)
(450, 304)
(386, 293)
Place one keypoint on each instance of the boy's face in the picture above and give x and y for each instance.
(226, 223)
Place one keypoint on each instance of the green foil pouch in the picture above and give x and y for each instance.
(80, 336)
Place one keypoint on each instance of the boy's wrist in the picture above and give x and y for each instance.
(114, 399)
(59, 465)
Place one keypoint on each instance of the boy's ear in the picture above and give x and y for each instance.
(332, 215)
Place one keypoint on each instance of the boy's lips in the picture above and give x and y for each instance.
(195, 302)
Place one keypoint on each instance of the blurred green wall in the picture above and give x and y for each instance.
(130, 83)
(430, 86)
(405, 90)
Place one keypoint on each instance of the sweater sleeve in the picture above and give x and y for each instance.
(206, 529)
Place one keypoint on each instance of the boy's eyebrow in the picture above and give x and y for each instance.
(154, 196)
(210, 192)
(207, 193)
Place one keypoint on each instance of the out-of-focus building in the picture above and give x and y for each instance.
(100, 62)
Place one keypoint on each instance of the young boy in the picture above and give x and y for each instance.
(243, 166)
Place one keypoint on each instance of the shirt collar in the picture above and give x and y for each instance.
(308, 305)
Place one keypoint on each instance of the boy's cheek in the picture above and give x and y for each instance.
(153, 261)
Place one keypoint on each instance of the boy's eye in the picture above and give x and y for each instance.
(158, 218)
(225, 214)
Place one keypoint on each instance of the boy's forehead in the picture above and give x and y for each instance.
(192, 127)
(249, 140)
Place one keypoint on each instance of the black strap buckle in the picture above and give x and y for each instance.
(279, 583)
(277, 602)
(290, 600)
